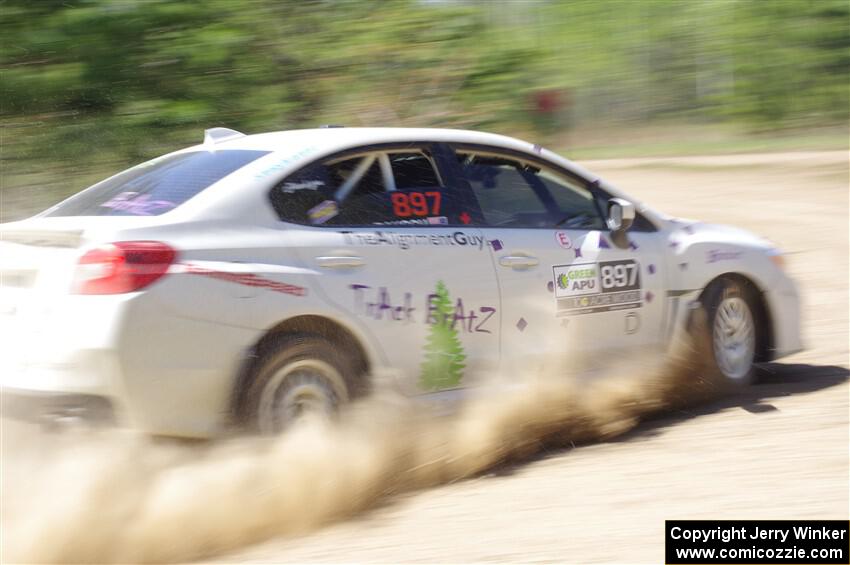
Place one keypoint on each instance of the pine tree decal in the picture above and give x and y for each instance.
(444, 356)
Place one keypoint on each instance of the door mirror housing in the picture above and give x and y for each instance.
(621, 215)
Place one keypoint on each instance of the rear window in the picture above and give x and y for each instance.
(156, 187)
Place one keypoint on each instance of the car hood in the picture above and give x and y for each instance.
(719, 233)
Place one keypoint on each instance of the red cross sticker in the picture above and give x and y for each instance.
(465, 218)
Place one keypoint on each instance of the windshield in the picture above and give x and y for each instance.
(156, 187)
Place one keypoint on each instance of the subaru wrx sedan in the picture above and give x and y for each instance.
(246, 280)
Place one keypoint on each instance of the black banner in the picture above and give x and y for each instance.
(816, 542)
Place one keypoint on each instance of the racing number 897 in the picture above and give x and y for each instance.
(406, 204)
(619, 275)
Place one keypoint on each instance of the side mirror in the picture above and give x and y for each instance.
(621, 215)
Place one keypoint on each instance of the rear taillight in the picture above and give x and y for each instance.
(120, 267)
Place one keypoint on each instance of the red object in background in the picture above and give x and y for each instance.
(547, 101)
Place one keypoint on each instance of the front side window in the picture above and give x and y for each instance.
(378, 188)
(156, 187)
(519, 194)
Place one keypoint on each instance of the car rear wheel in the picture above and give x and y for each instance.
(296, 377)
(732, 329)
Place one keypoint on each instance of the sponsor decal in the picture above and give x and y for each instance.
(497, 244)
(406, 240)
(597, 287)
(444, 355)
(603, 243)
(247, 279)
(409, 222)
(715, 255)
(284, 163)
(563, 239)
(377, 304)
(443, 364)
(574, 280)
(433, 221)
(138, 205)
(323, 212)
(465, 218)
(290, 187)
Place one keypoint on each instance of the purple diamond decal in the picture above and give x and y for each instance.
(521, 325)
(496, 244)
(578, 252)
(649, 296)
(550, 286)
(651, 269)
(633, 246)
(603, 243)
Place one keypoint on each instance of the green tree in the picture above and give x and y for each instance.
(444, 355)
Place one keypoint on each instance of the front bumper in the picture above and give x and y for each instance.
(784, 305)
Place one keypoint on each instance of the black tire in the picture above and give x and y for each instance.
(294, 375)
(731, 333)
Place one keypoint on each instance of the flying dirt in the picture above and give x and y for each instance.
(102, 496)
(110, 496)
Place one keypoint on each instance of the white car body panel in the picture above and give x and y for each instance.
(535, 322)
(389, 295)
(168, 357)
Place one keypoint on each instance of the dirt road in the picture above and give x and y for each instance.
(780, 451)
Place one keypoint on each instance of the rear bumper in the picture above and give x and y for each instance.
(122, 360)
(62, 388)
(56, 409)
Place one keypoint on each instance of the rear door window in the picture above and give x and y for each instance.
(391, 187)
(158, 186)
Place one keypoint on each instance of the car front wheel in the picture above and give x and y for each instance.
(732, 327)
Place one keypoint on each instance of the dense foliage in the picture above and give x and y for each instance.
(131, 78)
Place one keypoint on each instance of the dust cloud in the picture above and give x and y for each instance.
(112, 496)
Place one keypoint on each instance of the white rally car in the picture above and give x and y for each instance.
(252, 277)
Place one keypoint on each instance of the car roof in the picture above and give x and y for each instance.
(329, 139)
(319, 142)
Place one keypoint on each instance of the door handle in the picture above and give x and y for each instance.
(518, 261)
(340, 262)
